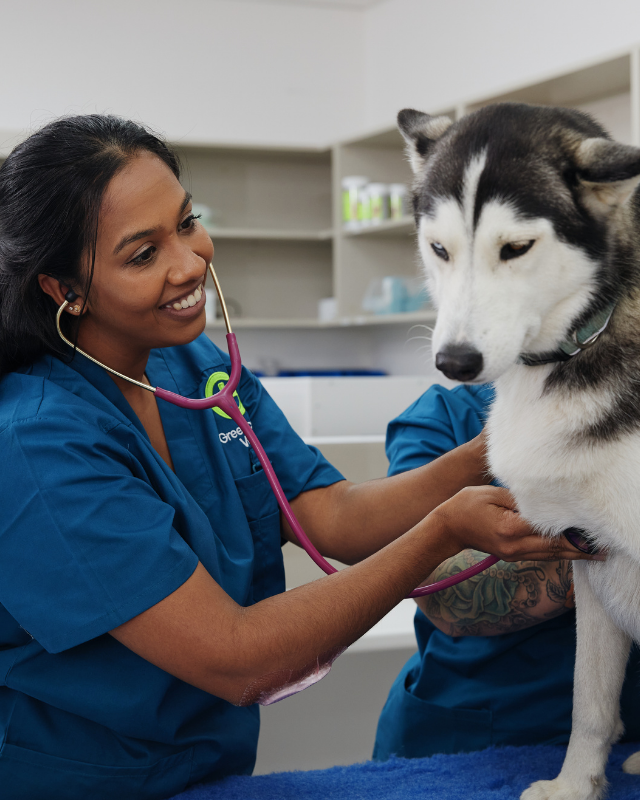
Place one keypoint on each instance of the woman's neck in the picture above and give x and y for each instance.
(123, 357)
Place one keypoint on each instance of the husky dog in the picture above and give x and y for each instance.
(529, 229)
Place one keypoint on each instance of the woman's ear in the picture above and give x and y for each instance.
(57, 292)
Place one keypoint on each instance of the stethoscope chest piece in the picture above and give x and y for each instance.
(579, 539)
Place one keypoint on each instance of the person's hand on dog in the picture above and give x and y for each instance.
(486, 518)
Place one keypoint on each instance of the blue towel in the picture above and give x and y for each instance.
(494, 774)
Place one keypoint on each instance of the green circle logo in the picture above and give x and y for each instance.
(215, 383)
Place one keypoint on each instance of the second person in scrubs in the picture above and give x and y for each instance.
(496, 653)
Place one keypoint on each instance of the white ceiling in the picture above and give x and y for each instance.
(330, 3)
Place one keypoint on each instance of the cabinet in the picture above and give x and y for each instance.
(271, 229)
(281, 246)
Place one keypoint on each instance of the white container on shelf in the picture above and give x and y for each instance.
(327, 309)
(398, 201)
(364, 206)
(352, 187)
(378, 202)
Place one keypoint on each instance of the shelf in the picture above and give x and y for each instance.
(281, 246)
(260, 322)
(428, 315)
(389, 227)
(239, 323)
(269, 234)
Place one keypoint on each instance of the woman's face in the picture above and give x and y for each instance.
(150, 267)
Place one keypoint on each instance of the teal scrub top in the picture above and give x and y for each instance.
(459, 694)
(95, 530)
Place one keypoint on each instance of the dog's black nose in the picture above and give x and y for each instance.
(460, 362)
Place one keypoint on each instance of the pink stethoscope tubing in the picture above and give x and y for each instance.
(225, 402)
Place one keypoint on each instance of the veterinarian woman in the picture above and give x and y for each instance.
(143, 611)
(496, 653)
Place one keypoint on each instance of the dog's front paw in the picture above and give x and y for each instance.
(561, 789)
(632, 764)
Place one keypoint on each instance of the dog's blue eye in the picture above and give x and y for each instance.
(440, 251)
(515, 249)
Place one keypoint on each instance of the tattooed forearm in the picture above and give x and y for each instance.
(504, 598)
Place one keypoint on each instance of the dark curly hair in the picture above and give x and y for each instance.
(51, 190)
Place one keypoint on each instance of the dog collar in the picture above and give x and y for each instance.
(578, 340)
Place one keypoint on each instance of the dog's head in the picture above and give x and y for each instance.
(525, 228)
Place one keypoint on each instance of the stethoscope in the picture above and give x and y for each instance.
(225, 402)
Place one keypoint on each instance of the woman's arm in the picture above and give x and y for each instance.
(350, 522)
(200, 635)
(506, 597)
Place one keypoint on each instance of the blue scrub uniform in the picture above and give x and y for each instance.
(459, 694)
(95, 530)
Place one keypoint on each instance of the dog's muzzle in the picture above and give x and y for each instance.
(459, 362)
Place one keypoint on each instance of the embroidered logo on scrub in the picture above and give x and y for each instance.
(215, 384)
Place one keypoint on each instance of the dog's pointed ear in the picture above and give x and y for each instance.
(420, 132)
(609, 173)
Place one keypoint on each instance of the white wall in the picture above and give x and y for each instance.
(263, 72)
(202, 70)
(432, 54)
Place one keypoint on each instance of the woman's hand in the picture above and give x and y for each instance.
(486, 518)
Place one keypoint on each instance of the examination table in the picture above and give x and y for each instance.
(494, 774)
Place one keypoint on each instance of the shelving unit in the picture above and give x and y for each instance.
(277, 269)
(362, 320)
(279, 238)
(265, 234)
(372, 251)
(271, 228)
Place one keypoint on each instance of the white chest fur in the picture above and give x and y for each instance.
(559, 477)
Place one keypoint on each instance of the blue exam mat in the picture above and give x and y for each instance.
(494, 774)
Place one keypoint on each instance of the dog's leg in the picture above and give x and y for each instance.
(601, 657)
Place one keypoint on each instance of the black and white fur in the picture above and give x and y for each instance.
(528, 225)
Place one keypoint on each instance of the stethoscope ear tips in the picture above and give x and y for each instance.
(70, 296)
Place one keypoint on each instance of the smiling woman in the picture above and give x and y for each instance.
(142, 605)
(143, 294)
